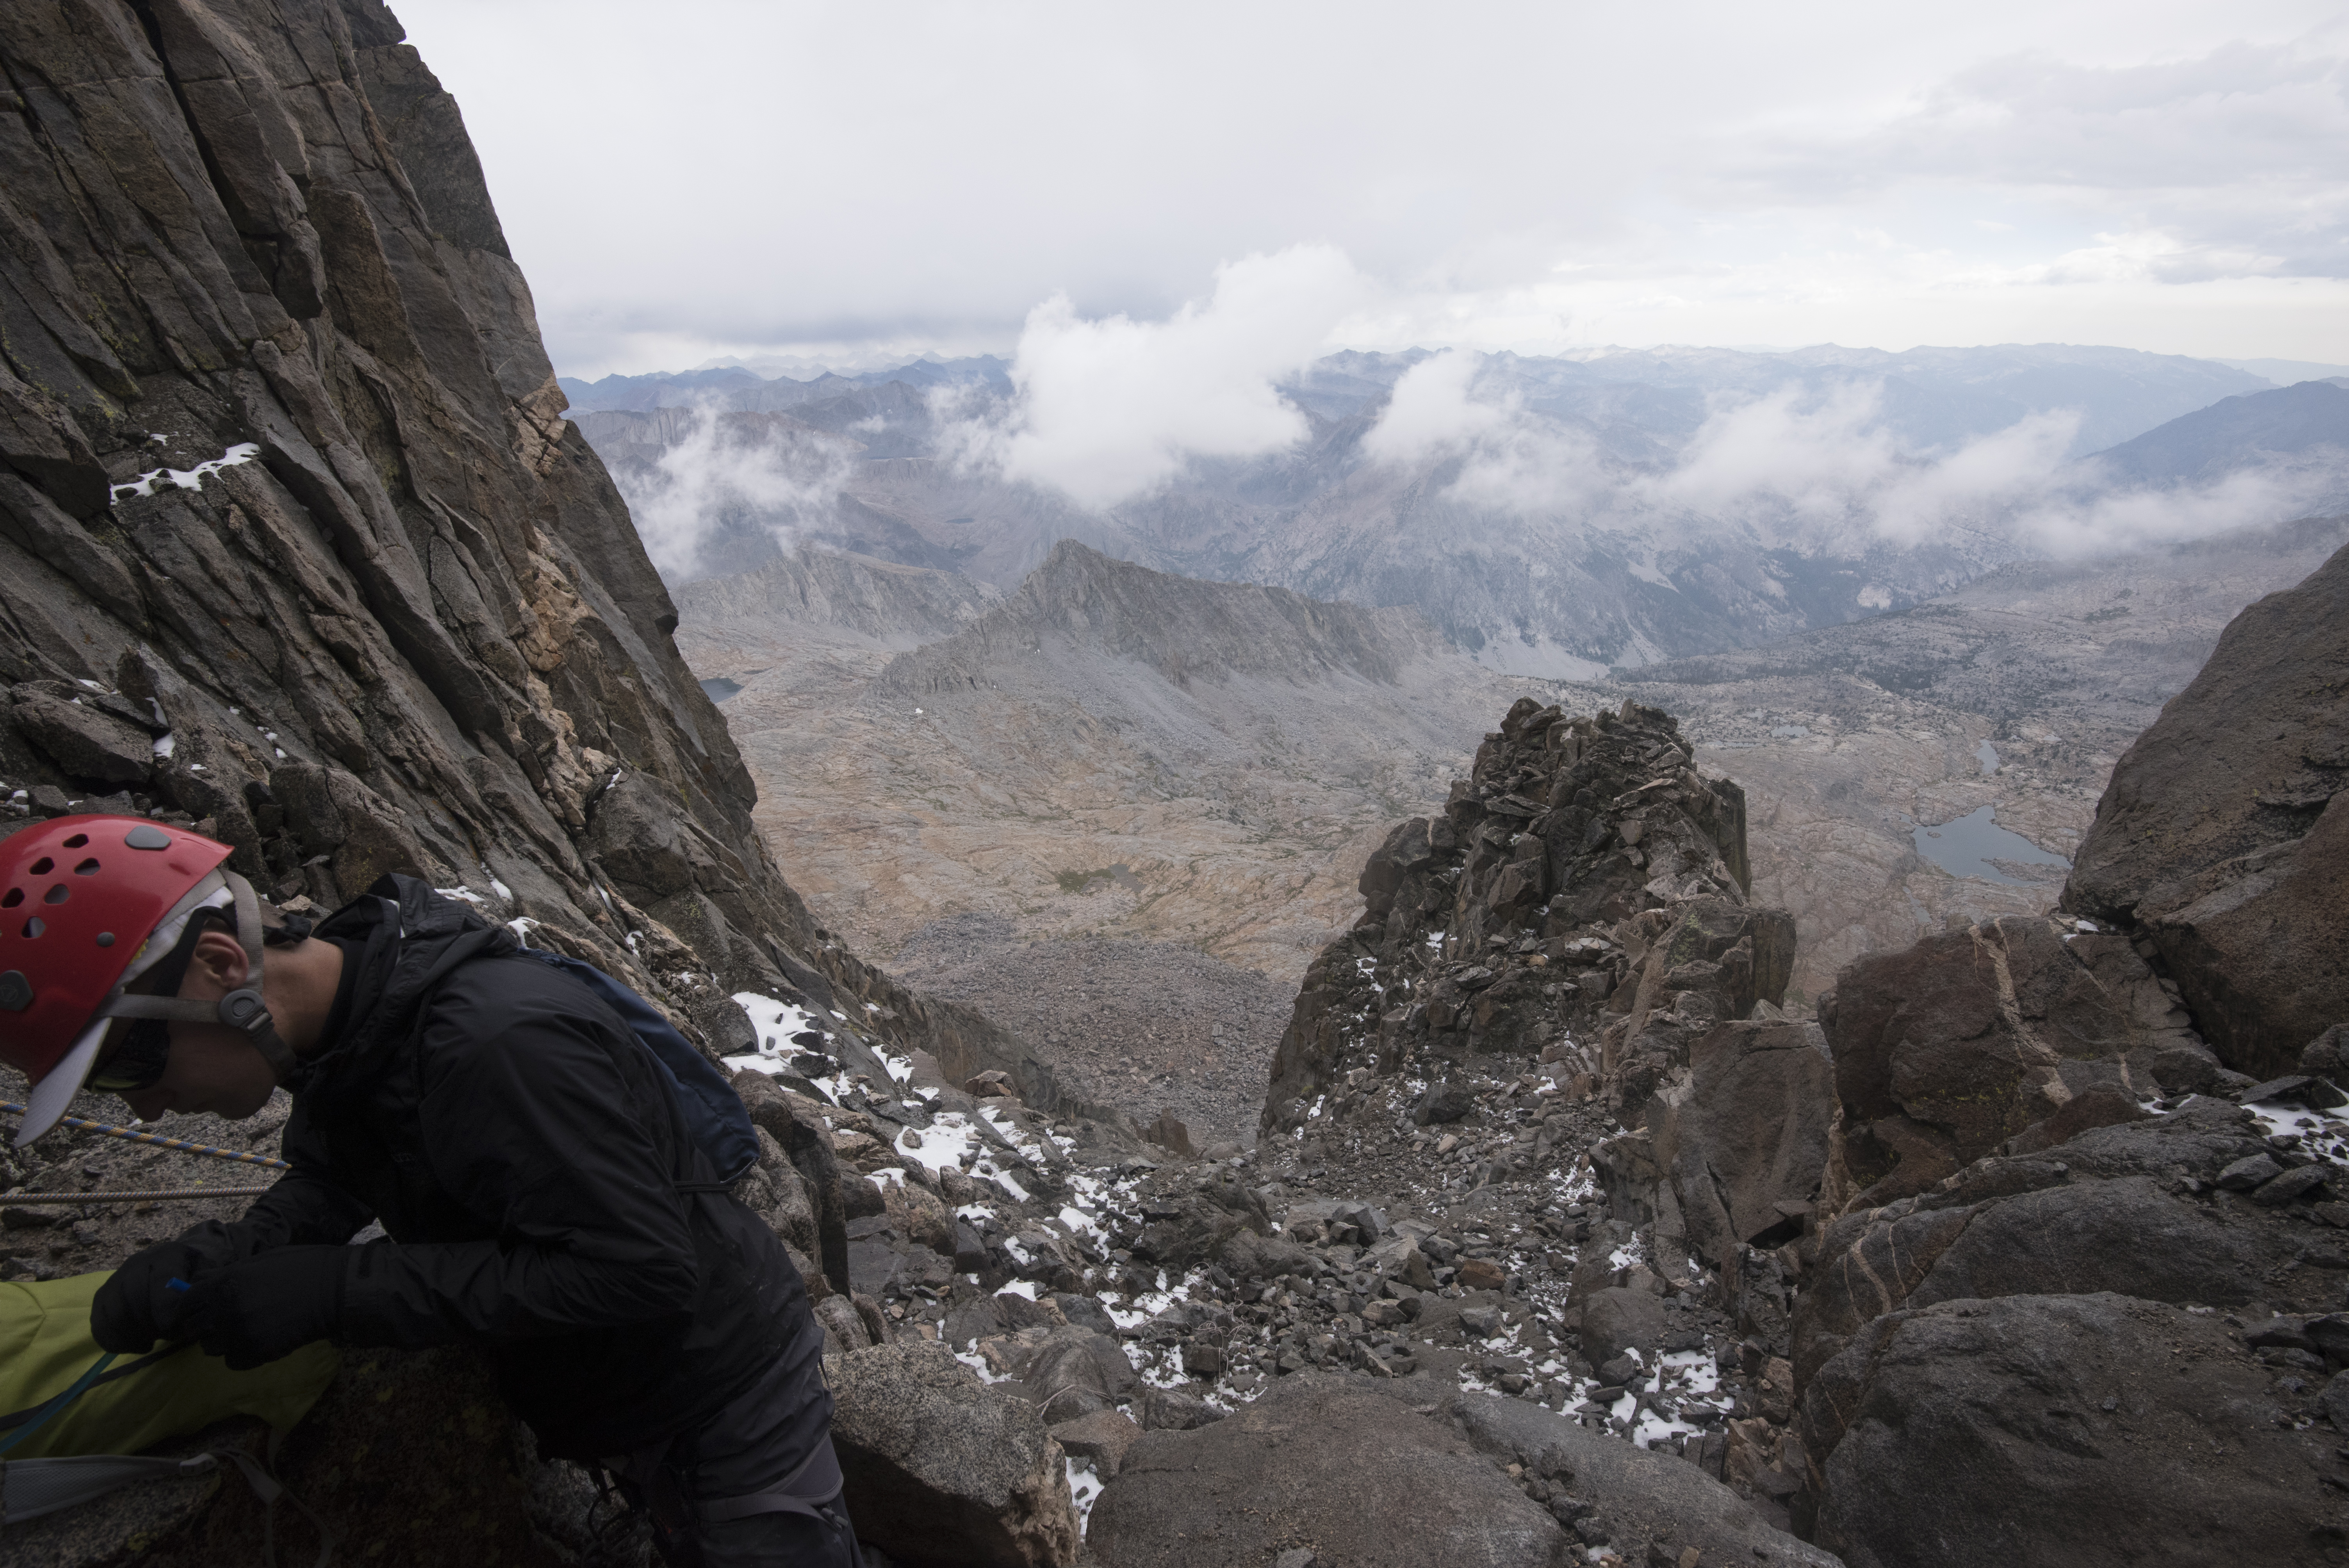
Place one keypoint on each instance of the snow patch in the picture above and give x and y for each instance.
(775, 1024)
(185, 479)
(1084, 1486)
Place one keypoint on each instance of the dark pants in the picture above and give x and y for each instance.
(767, 1450)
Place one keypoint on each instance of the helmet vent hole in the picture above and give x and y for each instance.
(88, 867)
(77, 841)
(35, 927)
(42, 867)
(15, 896)
(57, 894)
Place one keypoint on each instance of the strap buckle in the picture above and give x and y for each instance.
(245, 1010)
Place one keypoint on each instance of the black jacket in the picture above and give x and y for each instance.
(524, 1153)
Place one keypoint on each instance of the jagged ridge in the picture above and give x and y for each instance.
(1184, 629)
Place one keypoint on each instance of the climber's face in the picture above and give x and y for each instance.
(213, 1068)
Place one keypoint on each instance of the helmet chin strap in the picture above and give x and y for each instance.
(242, 1009)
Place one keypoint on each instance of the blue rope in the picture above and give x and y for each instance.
(57, 1404)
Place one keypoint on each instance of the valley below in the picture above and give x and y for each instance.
(1119, 810)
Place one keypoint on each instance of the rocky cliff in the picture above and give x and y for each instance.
(294, 544)
(296, 550)
(1202, 632)
(878, 602)
(2223, 842)
(2079, 1239)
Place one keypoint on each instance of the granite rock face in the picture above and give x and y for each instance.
(296, 549)
(295, 546)
(2070, 1245)
(2222, 838)
(1359, 1477)
(1582, 894)
(2050, 1406)
(1743, 1135)
(943, 1469)
(2140, 1210)
(1947, 1051)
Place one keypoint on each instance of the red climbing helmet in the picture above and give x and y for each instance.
(80, 898)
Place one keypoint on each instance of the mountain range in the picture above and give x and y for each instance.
(1611, 509)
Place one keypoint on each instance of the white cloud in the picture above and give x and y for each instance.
(2233, 162)
(2077, 170)
(1831, 460)
(729, 471)
(1511, 460)
(1818, 465)
(1431, 410)
(2089, 523)
(1108, 410)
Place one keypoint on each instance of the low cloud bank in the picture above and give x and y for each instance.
(1105, 410)
(1813, 465)
(728, 475)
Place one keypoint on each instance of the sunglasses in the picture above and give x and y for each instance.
(140, 1052)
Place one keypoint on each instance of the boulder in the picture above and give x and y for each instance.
(448, 1475)
(1321, 1460)
(2222, 836)
(844, 1328)
(89, 746)
(127, 1525)
(917, 1212)
(1191, 1216)
(807, 1143)
(1084, 1312)
(1616, 1320)
(1480, 1273)
(2099, 1106)
(1173, 1410)
(943, 1470)
(1169, 1133)
(1248, 1256)
(1075, 1372)
(778, 1194)
(1949, 1050)
(638, 838)
(1445, 1102)
(2294, 1089)
(1636, 1495)
(2104, 1213)
(2327, 1056)
(2085, 1431)
(1103, 1438)
(1744, 1136)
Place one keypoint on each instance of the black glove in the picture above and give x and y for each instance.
(137, 1307)
(257, 1309)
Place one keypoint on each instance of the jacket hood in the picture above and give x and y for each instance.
(413, 937)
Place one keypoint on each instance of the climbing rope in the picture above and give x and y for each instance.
(151, 1195)
(160, 1141)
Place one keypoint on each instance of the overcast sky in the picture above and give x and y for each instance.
(856, 184)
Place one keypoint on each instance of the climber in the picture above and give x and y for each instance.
(527, 1154)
